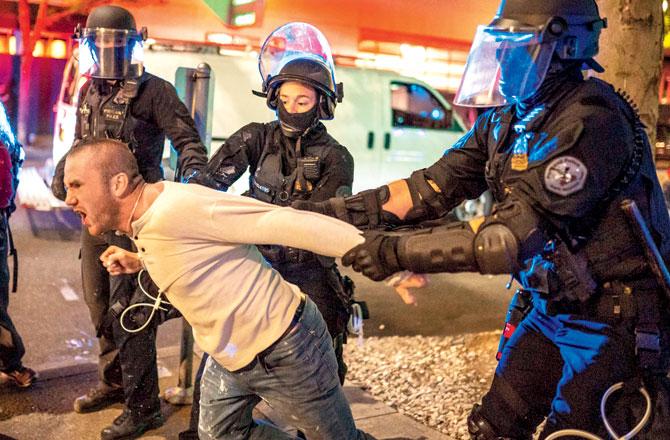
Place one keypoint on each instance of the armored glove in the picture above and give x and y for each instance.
(376, 258)
(58, 187)
(325, 207)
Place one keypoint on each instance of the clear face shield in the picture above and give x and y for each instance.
(290, 42)
(110, 53)
(503, 67)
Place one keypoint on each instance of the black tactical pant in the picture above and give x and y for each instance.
(126, 359)
(11, 345)
(560, 367)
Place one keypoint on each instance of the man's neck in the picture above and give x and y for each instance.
(138, 202)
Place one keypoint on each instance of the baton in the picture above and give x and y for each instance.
(653, 256)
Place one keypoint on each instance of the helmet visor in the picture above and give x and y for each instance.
(110, 53)
(503, 68)
(290, 42)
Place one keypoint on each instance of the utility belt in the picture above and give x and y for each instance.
(639, 302)
(285, 254)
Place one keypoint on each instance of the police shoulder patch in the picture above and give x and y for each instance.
(565, 175)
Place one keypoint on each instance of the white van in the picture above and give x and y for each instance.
(391, 124)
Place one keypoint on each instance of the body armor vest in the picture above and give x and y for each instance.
(599, 248)
(272, 185)
(108, 116)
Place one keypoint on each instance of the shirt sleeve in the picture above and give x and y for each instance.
(243, 220)
(460, 172)
(238, 153)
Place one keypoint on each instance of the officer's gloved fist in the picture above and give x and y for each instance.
(376, 258)
(58, 188)
(325, 207)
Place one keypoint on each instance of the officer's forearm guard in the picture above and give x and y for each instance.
(363, 209)
(501, 243)
(444, 249)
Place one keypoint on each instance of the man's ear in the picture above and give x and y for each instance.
(120, 185)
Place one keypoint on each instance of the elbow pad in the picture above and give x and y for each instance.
(365, 209)
(427, 199)
(508, 237)
(496, 250)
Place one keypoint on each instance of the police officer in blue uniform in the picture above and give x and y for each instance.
(560, 154)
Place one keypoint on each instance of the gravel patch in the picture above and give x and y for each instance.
(434, 380)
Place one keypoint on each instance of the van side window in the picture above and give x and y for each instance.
(414, 106)
(72, 82)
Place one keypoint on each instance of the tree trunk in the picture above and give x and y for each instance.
(631, 50)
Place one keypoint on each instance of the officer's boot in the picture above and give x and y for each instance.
(98, 398)
(126, 426)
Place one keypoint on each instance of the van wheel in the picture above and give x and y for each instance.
(478, 207)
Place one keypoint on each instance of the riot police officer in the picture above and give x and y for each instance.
(560, 154)
(294, 158)
(123, 101)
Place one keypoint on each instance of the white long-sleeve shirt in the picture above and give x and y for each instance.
(197, 245)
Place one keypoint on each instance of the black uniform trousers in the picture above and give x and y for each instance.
(11, 345)
(126, 359)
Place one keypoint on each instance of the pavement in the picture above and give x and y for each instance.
(45, 410)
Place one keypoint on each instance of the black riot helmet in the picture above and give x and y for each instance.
(110, 46)
(299, 52)
(510, 57)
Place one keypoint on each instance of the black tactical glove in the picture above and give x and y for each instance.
(376, 258)
(58, 188)
(58, 180)
(325, 207)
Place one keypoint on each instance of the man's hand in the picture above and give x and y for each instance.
(325, 207)
(376, 258)
(120, 261)
(402, 282)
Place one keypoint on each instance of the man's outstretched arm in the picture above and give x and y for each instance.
(244, 220)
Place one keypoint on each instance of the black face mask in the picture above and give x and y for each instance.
(294, 125)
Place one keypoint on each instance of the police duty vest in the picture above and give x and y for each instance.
(271, 185)
(108, 116)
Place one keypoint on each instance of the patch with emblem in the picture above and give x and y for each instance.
(565, 175)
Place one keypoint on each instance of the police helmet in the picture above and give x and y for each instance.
(574, 24)
(110, 46)
(299, 52)
(510, 56)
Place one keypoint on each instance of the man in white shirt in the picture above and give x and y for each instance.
(266, 339)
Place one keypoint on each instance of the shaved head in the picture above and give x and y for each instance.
(109, 157)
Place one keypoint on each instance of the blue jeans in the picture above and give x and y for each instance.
(297, 377)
